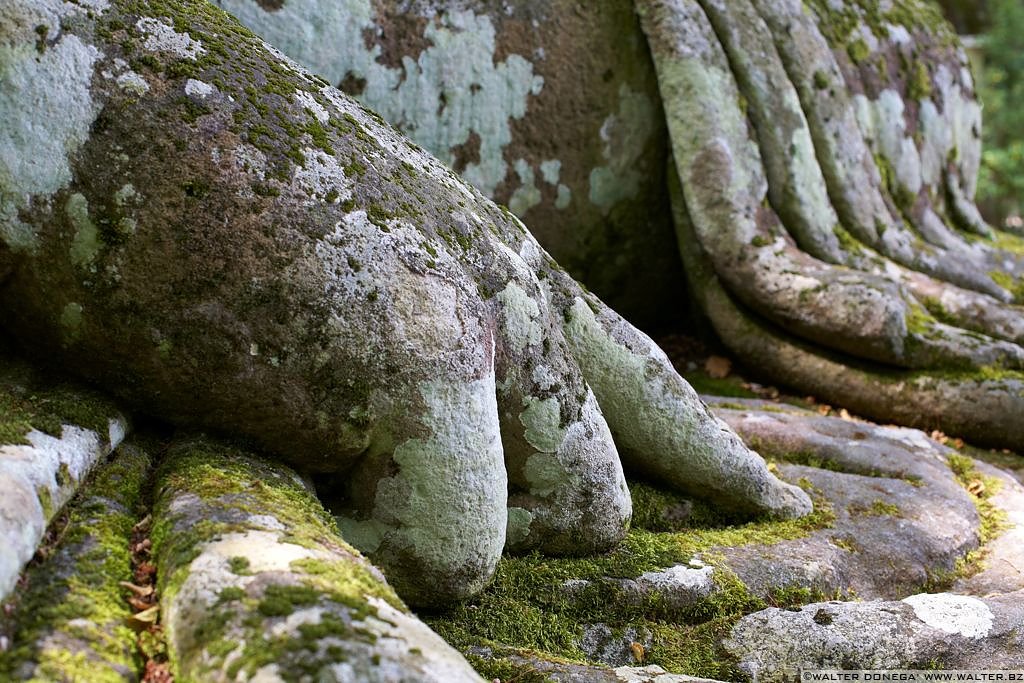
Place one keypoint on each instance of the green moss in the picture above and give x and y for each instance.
(982, 488)
(903, 197)
(659, 510)
(45, 501)
(821, 80)
(939, 311)
(1015, 286)
(919, 320)
(760, 241)
(379, 216)
(858, 51)
(846, 544)
(239, 565)
(877, 508)
(528, 606)
(354, 169)
(230, 484)
(839, 21)
(1009, 242)
(231, 593)
(731, 386)
(848, 242)
(70, 618)
(348, 583)
(505, 671)
(42, 30)
(26, 405)
(919, 84)
(281, 600)
(993, 522)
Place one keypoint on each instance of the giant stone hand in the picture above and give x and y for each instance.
(195, 223)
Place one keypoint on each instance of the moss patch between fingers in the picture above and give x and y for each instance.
(541, 604)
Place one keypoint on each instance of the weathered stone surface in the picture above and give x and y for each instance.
(51, 437)
(1003, 565)
(952, 631)
(550, 108)
(894, 494)
(826, 156)
(979, 624)
(255, 581)
(612, 646)
(68, 624)
(267, 258)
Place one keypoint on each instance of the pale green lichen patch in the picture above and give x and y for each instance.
(1014, 286)
(455, 87)
(47, 110)
(624, 136)
(522, 317)
(71, 321)
(86, 243)
(541, 421)
(461, 459)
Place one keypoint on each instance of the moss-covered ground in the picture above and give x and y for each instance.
(529, 607)
(46, 406)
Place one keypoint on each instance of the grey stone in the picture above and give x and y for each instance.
(921, 631)
(40, 472)
(901, 515)
(549, 108)
(328, 291)
(612, 646)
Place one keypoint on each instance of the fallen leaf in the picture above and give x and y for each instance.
(140, 604)
(141, 591)
(976, 487)
(146, 616)
(717, 367)
(145, 572)
(143, 523)
(638, 652)
(157, 672)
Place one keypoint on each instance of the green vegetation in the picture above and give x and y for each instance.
(541, 604)
(27, 405)
(1001, 182)
(69, 621)
(232, 492)
(993, 520)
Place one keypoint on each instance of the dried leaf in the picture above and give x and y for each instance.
(143, 524)
(157, 672)
(141, 591)
(145, 572)
(146, 616)
(638, 652)
(140, 603)
(717, 367)
(976, 487)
